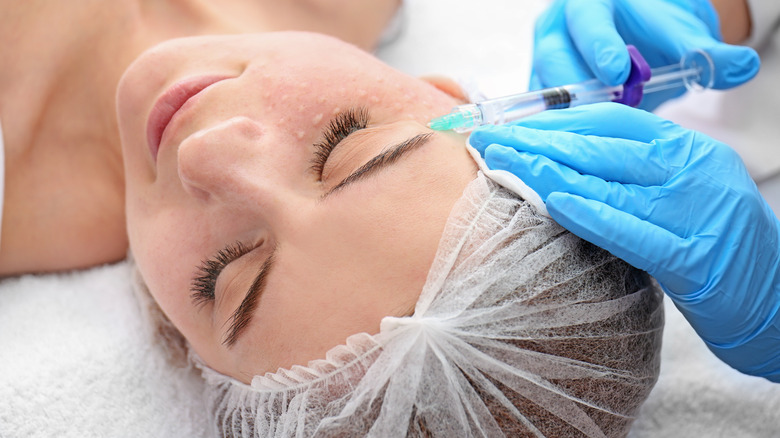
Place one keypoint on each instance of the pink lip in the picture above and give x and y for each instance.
(171, 102)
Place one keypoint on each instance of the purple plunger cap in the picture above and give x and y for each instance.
(635, 84)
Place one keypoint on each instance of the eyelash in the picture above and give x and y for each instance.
(344, 124)
(204, 284)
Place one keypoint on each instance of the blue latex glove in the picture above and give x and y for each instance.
(576, 40)
(670, 201)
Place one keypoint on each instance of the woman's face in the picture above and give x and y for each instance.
(283, 192)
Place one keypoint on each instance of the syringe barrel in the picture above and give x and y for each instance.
(510, 108)
(593, 91)
(695, 70)
(506, 109)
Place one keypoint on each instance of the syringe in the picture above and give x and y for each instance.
(695, 71)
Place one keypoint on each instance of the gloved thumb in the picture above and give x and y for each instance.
(734, 65)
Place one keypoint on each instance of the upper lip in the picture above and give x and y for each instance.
(170, 102)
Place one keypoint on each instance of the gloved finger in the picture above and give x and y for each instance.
(538, 172)
(604, 120)
(734, 65)
(640, 243)
(651, 204)
(556, 61)
(534, 83)
(608, 159)
(591, 25)
(546, 176)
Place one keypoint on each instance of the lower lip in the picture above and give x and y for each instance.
(169, 103)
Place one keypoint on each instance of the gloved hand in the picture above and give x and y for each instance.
(670, 201)
(576, 40)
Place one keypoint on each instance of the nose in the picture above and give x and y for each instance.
(225, 162)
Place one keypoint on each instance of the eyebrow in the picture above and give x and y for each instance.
(242, 316)
(390, 156)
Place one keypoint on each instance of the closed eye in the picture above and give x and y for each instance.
(344, 124)
(202, 290)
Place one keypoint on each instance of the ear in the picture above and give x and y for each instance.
(447, 85)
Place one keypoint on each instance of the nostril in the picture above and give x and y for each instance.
(202, 162)
(195, 191)
(191, 171)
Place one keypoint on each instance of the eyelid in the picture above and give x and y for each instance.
(203, 285)
(358, 147)
(364, 144)
(230, 283)
(387, 157)
(343, 125)
(241, 317)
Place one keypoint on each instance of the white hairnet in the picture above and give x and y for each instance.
(521, 329)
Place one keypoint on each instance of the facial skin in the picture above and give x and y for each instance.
(235, 165)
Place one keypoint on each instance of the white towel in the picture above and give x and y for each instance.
(76, 361)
